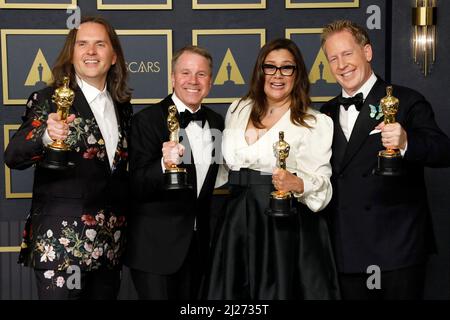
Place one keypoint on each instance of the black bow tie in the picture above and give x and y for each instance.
(186, 117)
(357, 100)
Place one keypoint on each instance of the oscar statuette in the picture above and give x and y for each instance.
(175, 178)
(389, 160)
(281, 201)
(57, 153)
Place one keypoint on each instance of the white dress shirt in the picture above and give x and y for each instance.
(347, 118)
(309, 155)
(201, 144)
(102, 107)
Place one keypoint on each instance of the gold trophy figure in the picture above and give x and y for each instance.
(281, 201)
(56, 154)
(389, 160)
(175, 178)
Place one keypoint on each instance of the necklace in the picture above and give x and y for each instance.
(271, 110)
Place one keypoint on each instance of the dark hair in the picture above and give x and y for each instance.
(359, 33)
(300, 100)
(193, 49)
(116, 78)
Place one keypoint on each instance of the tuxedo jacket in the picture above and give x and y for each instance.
(377, 220)
(161, 226)
(77, 216)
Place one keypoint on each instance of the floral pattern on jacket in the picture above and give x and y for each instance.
(95, 239)
(40, 116)
(84, 133)
(99, 243)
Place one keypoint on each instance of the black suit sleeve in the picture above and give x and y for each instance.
(145, 155)
(26, 147)
(126, 115)
(325, 108)
(427, 144)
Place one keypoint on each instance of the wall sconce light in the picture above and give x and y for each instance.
(424, 38)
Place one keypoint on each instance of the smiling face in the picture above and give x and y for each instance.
(277, 87)
(93, 54)
(349, 62)
(191, 79)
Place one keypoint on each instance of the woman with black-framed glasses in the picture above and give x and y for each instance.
(256, 256)
(270, 69)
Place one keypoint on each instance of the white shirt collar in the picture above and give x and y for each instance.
(90, 92)
(365, 88)
(181, 107)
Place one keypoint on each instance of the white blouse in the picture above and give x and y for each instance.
(309, 155)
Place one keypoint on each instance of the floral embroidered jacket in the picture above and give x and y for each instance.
(77, 215)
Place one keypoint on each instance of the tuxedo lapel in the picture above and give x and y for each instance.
(364, 123)
(214, 126)
(120, 141)
(123, 118)
(339, 140)
(190, 166)
(82, 109)
(81, 106)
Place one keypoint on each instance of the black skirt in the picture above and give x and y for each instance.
(255, 256)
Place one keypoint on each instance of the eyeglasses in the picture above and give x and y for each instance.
(270, 70)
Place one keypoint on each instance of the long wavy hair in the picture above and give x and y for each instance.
(300, 100)
(116, 78)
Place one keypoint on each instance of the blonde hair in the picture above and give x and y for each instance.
(359, 33)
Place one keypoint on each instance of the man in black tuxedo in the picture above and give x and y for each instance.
(377, 220)
(169, 232)
(77, 216)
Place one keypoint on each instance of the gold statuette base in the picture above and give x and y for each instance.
(389, 163)
(59, 145)
(175, 178)
(281, 205)
(56, 159)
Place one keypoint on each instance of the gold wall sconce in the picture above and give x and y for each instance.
(424, 16)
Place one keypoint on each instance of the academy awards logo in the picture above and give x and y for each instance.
(236, 50)
(40, 74)
(29, 54)
(27, 59)
(320, 75)
(323, 84)
(229, 73)
(143, 66)
(148, 54)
